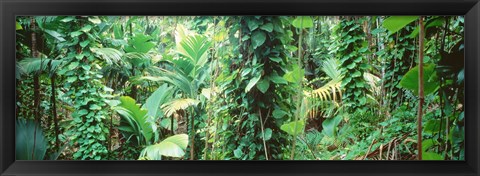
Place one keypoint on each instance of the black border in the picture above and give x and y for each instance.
(10, 8)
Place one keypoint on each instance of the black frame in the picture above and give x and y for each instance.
(11, 8)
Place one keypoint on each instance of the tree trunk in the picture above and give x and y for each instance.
(54, 110)
(420, 89)
(36, 84)
(192, 146)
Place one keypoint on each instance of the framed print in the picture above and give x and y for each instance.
(239, 87)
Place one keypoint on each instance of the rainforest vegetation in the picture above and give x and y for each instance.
(240, 88)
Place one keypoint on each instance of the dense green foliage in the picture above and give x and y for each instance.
(239, 88)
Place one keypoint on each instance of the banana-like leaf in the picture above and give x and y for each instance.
(28, 133)
(136, 118)
(162, 95)
(173, 146)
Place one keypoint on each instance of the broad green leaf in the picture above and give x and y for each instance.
(263, 85)
(410, 79)
(278, 113)
(330, 125)
(75, 34)
(136, 117)
(277, 79)
(395, 23)
(73, 65)
(252, 83)
(295, 75)
(162, 95)
(238, 153)
(267, 27)
(431, 156)
(95, 20)
(86, 28)
(427, 144)
(71, 79)
(268, 134)
(68, 19)
(173, 146)
(252, 24)
(303, 22)
(258, 38)
(294, 128)
(84, 43)
(276, 59)
(18, 26)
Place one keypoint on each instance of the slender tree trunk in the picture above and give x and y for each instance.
(133, 91)
(36, 85)
(420, 89)
(54, 110)
(192, 140)
(17, 86)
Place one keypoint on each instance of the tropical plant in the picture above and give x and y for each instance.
(30, 142)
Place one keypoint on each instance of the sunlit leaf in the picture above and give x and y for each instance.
(173, 146)
(294, 128)
(395, 23)
(252, 83)
(303, 22)
(410, 80)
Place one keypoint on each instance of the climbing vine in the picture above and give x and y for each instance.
(85, 89)
(352, 49)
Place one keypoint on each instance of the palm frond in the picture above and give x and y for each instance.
(195, 48)
(177, 79)
(331, 68)
(110, 55)
(138, 59)
(33, 65)
(329, 91)
(177, 104)
(29, 138)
